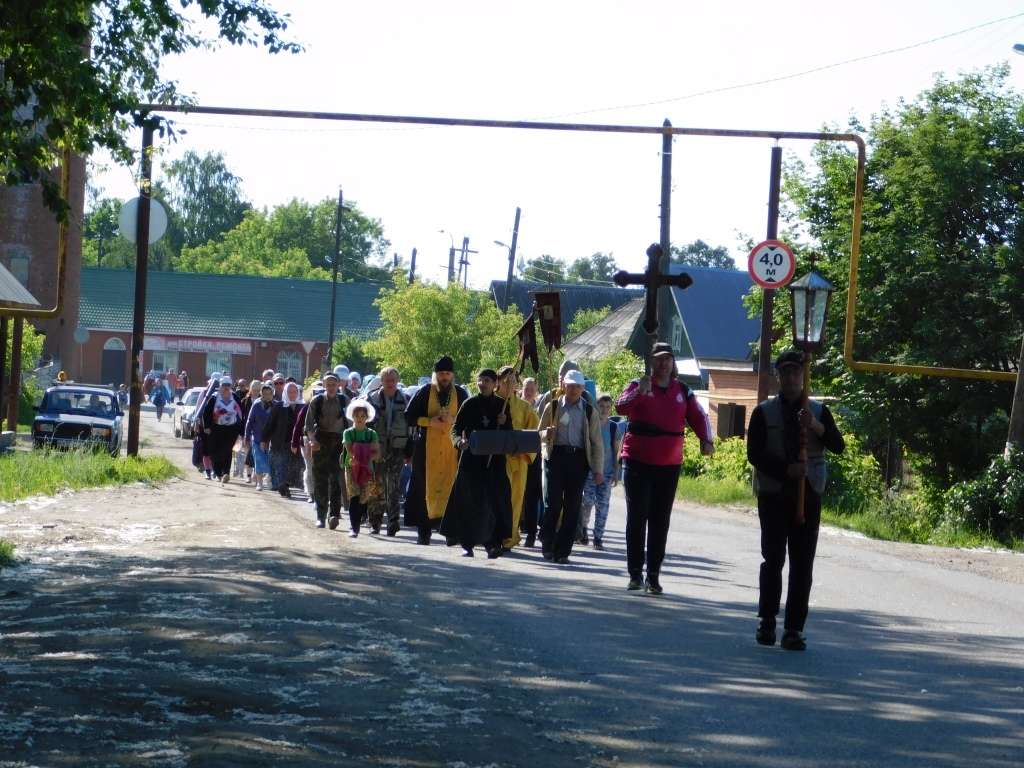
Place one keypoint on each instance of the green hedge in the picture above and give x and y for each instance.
(992, 503)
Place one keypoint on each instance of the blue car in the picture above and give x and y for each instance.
(79, 415)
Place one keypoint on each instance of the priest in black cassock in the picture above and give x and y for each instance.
(479, 508)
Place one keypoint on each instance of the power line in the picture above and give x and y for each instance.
(786, 77)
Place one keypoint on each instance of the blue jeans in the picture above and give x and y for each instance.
(598, 498)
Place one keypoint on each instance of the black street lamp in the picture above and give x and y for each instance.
(810, 297)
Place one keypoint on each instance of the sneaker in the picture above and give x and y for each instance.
(548, 555)
(393, 529)
(284, 491)
(353, 534)
(259, 486)
(321, 523)
(765, 631)
(310, 500)
(248, 479)
(333, 522)
(584, 539)
(793, 641)
(225, 479)
(598, 545)
(494, 553)
(651, 586)
(531, 541)
(562, 561)
(375, 530)
(635, 584)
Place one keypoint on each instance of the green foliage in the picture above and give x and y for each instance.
(941, 278)
(585, 318)
(706, 490)
(993, 502)
(545, 269)
(31, 393)
(614, 371)
(54, 97)
(854, 478)
(599, 268)
(350, 350)
(205, 199)
(292, 240)
(7, 558)
(423, 321)
(700, 254)
(29, 473)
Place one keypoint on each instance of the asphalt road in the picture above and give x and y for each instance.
(201, 625)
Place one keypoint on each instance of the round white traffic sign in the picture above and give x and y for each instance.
(771, 264)
(127, 220)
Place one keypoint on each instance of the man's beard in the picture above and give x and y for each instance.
(445, 388)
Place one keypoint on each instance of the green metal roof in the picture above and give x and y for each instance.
(227, 306)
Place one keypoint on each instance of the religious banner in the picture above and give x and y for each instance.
(528, 342)
(549, 310)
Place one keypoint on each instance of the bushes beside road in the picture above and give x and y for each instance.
(986, 511)
(28, 473)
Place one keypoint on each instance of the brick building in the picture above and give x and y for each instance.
(204, 323)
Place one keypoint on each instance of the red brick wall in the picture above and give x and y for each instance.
(739, 387)
(27, 229)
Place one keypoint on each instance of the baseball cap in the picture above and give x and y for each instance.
(790, 357)
(574, 377)
(662, 348)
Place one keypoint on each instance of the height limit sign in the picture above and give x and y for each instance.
(771, 264)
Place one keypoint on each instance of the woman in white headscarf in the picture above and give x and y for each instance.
(223, 424)
(285, 466)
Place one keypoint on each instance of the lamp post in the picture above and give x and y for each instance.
(810, 298)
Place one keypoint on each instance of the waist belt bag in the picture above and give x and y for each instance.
(643, 429)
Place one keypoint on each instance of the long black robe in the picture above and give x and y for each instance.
(479, 508)
(416, 495)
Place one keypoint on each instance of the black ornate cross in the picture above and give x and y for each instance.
(652, 279)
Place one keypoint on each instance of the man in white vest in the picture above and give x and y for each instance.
(393, 433)
(773, 446)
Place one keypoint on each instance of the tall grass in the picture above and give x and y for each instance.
(7, 557)
(30, 473)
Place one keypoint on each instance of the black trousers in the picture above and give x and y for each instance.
(565, 474)
(328, 474)
(650, 494)
(779, 532)
(533, 499)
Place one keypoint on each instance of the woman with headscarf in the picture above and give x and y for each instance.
(254, 429)
(285, 463)
(223, 424)
(243, 456)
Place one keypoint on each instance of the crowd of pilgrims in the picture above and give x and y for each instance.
(386, 455)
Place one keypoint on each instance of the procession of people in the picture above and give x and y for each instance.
(507, 467)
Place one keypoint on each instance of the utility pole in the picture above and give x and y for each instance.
(412, 267)
(334, 285)
(1016, 434)
(141, 275)
(665, 235)
(764, 355)
(511, 261)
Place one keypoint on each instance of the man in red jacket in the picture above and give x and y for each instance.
(658, 408)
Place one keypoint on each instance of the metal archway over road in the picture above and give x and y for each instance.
(664, 131)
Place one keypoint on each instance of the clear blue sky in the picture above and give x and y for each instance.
(596, 61)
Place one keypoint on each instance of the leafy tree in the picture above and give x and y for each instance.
(312, 229)
(350, 350)
(545, 269)
(599, 268)
(249, 249)
(941, 279)
(56, 97)
(205, 197)
(612, 372)
(422, 321)
(585, 318)
(700, 254)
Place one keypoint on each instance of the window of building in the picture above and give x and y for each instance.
(217, 361)
(289, 363)
(732, 420)
(165, 361)
(115, 344)
(19, 268)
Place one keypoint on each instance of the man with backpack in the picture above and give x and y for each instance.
(325, 427)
